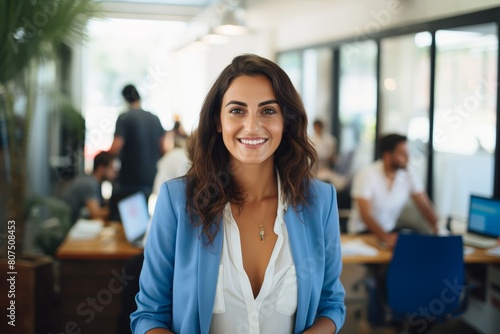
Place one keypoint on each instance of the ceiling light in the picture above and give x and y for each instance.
(231, 25)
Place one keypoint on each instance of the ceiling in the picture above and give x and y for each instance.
(175, 10)
(200, 3)
(187, 10)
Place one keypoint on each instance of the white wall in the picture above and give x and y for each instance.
(221, 55)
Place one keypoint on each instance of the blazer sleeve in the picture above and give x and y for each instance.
(331, 303)
(154, 300)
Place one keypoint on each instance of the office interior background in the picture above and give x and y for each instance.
(424, 68)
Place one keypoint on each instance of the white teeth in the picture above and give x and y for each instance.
(252, 142)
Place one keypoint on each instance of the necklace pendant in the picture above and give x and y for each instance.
(261, 233)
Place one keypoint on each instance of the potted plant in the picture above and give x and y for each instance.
(29, 33)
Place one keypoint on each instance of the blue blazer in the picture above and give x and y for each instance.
(179, 274)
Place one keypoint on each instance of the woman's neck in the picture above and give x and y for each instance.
(256, 182)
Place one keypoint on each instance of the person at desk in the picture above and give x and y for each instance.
(139, 143)
(248, 241)
(381, 190)
(84, 193)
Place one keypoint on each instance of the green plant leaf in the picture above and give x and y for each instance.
(27, 28)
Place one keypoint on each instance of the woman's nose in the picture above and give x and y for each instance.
(251, 122)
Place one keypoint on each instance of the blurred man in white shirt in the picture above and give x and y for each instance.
(381, 190)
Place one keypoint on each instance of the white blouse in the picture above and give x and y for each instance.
(235, 309)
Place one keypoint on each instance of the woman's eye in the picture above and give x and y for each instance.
(268, 111)
(236, 111)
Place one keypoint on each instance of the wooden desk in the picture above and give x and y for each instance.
(385, 254)
(111, 244)
(92, 277)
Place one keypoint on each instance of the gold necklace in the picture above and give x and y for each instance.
(261, 226)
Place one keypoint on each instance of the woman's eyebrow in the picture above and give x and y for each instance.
(243, 104)
(267, 102)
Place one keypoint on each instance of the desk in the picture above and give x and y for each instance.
(91, 278)
(384, 255)
(109, 245)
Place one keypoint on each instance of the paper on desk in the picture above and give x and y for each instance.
(358, 247)
(86, 229)
(495, 251)
(468, 250)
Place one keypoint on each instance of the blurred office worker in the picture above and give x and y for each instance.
(381, 190)
(325, 145)
(139, 143)
(84, 196)
(174, 163)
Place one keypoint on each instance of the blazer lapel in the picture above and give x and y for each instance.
(208, 270)
(299, 243)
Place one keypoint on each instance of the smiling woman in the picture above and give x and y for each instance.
(248, 239)
(251, 121)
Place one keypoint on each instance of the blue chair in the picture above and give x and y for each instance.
(426, 280)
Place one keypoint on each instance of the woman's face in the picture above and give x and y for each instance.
(251, 121)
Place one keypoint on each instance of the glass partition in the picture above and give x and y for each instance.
(465, 116)
(291, 63)
(317, 85)
(404, 93)
(357, 103)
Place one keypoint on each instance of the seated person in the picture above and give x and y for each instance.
(84, 192)
(381, 190)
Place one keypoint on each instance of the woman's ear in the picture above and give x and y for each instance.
(219, 128)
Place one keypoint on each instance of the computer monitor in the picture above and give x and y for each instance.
(135, 217)
(484, 216)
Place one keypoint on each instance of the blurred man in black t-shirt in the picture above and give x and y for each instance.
(139, 143)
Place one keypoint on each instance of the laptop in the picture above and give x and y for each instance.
(135, 218)
(483, 224)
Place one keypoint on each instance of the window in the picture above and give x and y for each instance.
(317, 85)
(465, 115)
(404, 93)
(291, 63)
(357, 102)
(459, 79)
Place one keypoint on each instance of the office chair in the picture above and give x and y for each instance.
(426, 280)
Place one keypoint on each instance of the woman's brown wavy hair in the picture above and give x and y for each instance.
(209, 181)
